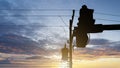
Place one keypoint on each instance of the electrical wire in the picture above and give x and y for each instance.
(31, 9)
(35, 26)
(31, 16)
(116, 15)
(28, 9)
(108, 20)
(1, 15)
(63, 21)
(38, 9)
(65, 25)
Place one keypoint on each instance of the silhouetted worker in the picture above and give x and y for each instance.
(65, 53)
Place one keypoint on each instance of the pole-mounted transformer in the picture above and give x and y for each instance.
(64, 53)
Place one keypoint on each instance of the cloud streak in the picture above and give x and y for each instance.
(100, 48)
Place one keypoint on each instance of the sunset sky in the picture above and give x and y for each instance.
(32, 33)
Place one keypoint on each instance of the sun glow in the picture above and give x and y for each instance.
(64, 64)
(56, 56)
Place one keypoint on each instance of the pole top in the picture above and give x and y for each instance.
(65, 46)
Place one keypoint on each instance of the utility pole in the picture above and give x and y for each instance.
(71, 39)
(86, 24)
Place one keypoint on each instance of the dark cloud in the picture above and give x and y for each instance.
(16, 44)
(101, 47)
(105, 44)
(36, 58)
(5, 4)
(91, 54)
(11, 43)
(116, 45)
(5, 61)
(99, 41)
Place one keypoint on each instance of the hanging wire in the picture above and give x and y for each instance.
(65, 25)
(108, 20)
(63, 21)
(116, 15)
(30, 15)
(31, 9)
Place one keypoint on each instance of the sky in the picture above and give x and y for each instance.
(32, 33)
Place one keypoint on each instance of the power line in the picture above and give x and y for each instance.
(63, 21)
(53, 16)
(65, 25)
(23, 15)
(31, 9)
(116, 15)
(38, 9)
(35, 25)
(1, 15)
(108, 20)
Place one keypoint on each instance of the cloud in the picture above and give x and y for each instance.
(11, 43)
(54, 41)
(105, 44)
(37, 58)
(17, 34)
(99, 41)
(100, 48)
(19, 23)
(16, 44)
(6, 61)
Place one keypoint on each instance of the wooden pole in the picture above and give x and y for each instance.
(71, 38)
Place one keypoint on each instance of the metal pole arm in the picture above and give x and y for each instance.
(97, 28)
(111, 27)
